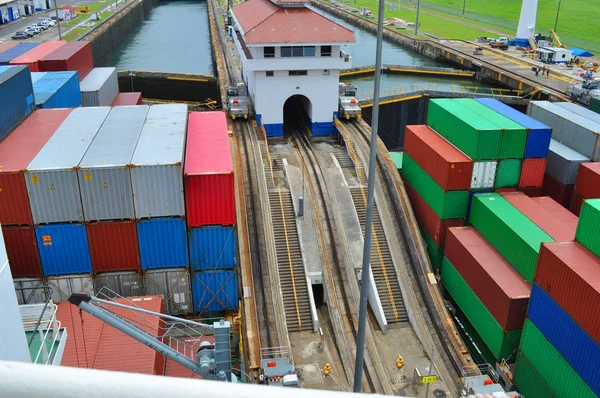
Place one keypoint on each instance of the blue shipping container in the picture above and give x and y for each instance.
(16, 51)
(16, 97)
(538, 134)
(35, 76)
(215, 291)
(575, 345)
(57, 90)
(63, 249)
(212, 248)
(163, 243)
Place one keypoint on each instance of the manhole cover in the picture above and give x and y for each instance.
(439, 393)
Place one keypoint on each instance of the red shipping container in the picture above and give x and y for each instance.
(495, 282)
(576, 203)
(16, 152)
(22, 250)
(428, 219)
(532, 192)
(587, 184)
(570, 274)
(94, 344)
(532, 172)
(557, 191)
(445, 163)
(32, 56)
(74, 55)
(208, 171)
(6, 46)
(113, 246)
(559, 212)
(551, 225)
(128, 99)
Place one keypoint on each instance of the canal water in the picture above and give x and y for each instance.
(174, 38)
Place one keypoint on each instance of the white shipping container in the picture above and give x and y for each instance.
(580, 110)
(65, 285)
(100, 87)
(115, 284)
(51, 177)
(484, 174)
(563, 163)
(157, 172)
(174, 285)
(105, 183)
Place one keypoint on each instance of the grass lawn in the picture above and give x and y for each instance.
(95, 7)
(73, 22)
(106, 14)
(74, 34)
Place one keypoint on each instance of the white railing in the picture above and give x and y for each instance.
(47, 326)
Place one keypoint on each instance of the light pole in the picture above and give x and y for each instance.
(366, 265)
(464, 6)
(557, 12)
(57, 19)
(417, 21)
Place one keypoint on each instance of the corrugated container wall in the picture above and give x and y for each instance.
(16, 51)
(557, 191)
(495, 282)
(576, 203)
(588, 180)
(588, 228)
(57, 90)
(528, 380)
(31, 57)
(124, 99)
(35, 76)
(434, 252)
(446, 204)
(63, 249)
(579, 110)
(157, 172)
(554, 369)
(574, 344)
(428, 220)
(215, 291)
(515, 236)
(559, 212)
(570, 274)
(64, 286)
(174, 286)
(100, 87)
(16, 97)
(573, 130)
(484, 175)
(74, 56)
(444, 163)
(509, 171)
(22, 251)
(532, 172)
(51, 177)
(6, 46)
(551, 225)
(212, 248)
(105, 183)
(209, 182)
(563, 163)
(538, 134)
(16, 151)
(113, 246)
(473, 135)
(163, 243)
(123, 284)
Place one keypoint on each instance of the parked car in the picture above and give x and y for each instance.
(21, 36)
(32, 31)
(42, 27)
(34, 28)
(45, 24)
(54, 19)
(47, 21)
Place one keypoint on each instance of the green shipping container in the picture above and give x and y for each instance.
(514, 136)
(502, 344)
(595, 105)
(588, 227)
(515, 236)
(529, 382)
(397, 158)
(508, 173)
(435, 253)
(446, 204)
(562, 379)
(475, 136)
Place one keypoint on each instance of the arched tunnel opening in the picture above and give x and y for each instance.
(297, 115)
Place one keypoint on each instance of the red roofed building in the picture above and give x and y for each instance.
(290, 52)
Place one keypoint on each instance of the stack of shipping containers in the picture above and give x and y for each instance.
(210, 211)
(72, 56)
(100, 87)
(16, 97)
(31, 57)
(16, 51)
(56, 89)
(587, 185)
(559, 354)
(157, 179)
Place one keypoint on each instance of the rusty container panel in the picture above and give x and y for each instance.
(557, 211)
(445, 163)
(22, 251)
(576, 203)
(113, 246)
(495, 282)
(532, 192)
(433, 225)
(557, 191)
(551, 225)
(587, 184)
(570, 274)
(532, 172)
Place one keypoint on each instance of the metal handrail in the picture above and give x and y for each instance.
(48, 298)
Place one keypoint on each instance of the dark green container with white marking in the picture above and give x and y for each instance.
(435, 253)
(508, 173)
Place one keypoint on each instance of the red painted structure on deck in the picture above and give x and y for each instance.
(73, 56)
(447, 165)
(16, 152)
(559, 212)
(31, 58)
(113, 246)
(96, 345)
(22, 251)
(588, 180)
(557, 191)
(124, 99)
(208, 171)
(532, 172)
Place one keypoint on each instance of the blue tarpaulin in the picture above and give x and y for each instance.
(577, 52)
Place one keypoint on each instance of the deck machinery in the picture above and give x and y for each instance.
(237, 101)
(584, 92)
(348, 104)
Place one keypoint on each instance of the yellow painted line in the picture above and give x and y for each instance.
(357, 72)
(391, 101)
(431, 72)
(189, 79)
